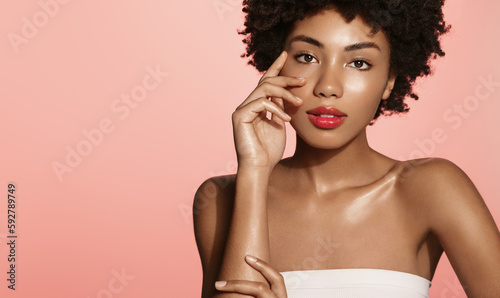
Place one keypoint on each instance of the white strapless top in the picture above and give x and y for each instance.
(354, 283)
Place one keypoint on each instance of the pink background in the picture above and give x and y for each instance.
(126, 205)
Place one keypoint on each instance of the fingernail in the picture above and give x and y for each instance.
(299, 99)
(220, 284)
(249, 257)
(302, 79)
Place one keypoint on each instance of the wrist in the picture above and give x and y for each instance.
(253, 180)
(254, 171)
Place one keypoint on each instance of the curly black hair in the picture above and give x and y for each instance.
(413, 28)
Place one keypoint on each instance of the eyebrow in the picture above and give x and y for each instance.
(307, 39)
(362, 45)
(349, 48)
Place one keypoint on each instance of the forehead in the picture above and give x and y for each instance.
(331, 29)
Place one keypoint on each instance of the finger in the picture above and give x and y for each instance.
(284, 81)
(268, 90)
(275, 68)
(274, 278)
(279, 103)
(251, 111)
(253, 288)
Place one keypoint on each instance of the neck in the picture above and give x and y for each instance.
(325, 170)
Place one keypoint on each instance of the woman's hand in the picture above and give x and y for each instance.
(257, 289)
(259, 141)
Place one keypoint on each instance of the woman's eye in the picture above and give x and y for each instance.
(360, 64)
(306, 58)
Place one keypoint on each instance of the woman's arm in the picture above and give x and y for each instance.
(214, 207)
(466, 230)
(212, 212)
(260, 143)
(248, 232)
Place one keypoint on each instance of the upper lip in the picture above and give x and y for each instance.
(326, 111)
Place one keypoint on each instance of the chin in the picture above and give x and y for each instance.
(323, 140)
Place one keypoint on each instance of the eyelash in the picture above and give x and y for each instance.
(298, 56)
(369, 65)
(301, 55)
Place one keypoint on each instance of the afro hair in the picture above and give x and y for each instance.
(413, 28)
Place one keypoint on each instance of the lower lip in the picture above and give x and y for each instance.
(326, 122)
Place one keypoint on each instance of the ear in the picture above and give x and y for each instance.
(390, 85)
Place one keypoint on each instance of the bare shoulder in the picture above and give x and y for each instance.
(433, 178)
(212, 211)
(441, 188)
(445, 197)
(427, 168)
(213, 192)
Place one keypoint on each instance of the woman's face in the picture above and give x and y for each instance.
(347, 72)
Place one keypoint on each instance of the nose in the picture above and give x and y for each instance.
(330, 82)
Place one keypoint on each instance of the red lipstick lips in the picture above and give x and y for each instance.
(326, 117)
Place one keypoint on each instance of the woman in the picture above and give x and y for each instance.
(337, 218)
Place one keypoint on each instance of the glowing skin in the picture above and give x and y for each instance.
(346, 68)
(336, 203)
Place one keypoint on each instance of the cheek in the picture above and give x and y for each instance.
(369, 87)
(296, 70)
(357, 84)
